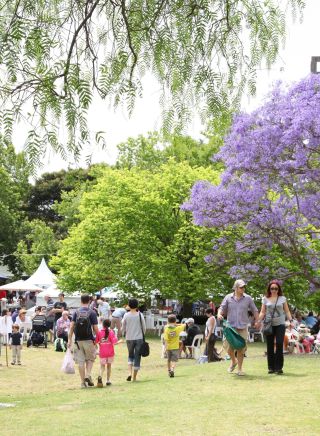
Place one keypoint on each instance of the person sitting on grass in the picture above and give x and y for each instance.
(171, 338)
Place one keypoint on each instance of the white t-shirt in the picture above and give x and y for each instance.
(104, 309)
(279, 316)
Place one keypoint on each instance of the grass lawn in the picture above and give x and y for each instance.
(200, 400)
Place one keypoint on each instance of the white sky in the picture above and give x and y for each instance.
(302, 42)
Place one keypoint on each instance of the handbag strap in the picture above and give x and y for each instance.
(141, 326)
(275, 306)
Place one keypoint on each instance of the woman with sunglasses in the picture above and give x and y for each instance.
(275, 308)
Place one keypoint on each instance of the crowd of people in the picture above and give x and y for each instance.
(94, 329)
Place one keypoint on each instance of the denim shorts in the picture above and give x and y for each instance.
(134, 356)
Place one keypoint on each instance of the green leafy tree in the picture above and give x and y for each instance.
(151, 151)
(14, 188)
(55, 55)
(48, 190)
(132, 232)
(39, 242)
(141, 152)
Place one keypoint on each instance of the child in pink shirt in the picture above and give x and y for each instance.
(106, 340)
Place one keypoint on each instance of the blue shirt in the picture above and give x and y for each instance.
(310, 321)
(119, 312)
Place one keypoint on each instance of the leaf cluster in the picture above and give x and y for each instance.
(56, 55)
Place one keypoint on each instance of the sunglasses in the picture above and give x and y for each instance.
(274, 289)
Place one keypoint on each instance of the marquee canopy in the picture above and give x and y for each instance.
(20, 285)
(43, 277)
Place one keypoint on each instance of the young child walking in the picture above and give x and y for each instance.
(15, 344)
(106, 340)
(171, 338)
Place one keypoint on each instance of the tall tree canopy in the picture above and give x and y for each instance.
(270, 187)
(38, 242)
(132, 232)
(48, 190)
(14, 189)
(55, 55)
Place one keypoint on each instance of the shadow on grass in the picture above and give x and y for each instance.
(270, 376)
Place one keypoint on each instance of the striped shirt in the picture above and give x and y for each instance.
(236, 310)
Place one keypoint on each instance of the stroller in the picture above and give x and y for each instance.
(38, 335)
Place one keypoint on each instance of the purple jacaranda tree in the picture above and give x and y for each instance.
(270, 184)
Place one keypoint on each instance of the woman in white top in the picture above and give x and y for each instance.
(275, 308)
(210, 337)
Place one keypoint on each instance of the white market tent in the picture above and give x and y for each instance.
(20, 285)
(110, 292)
(72, 300)
(43, 277)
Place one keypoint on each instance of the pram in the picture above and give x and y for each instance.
(38, 335)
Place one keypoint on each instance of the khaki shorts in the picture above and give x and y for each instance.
(173, 355)
(243, 333)
(105, 360)
(84, 351)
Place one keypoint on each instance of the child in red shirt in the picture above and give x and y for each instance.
(106, 340)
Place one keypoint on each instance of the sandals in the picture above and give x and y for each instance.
(232, 367)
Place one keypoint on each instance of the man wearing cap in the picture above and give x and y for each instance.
(235, 307)
(192, 330)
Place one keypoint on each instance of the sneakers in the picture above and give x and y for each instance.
(271, 371)
(280, 372)
(171, 373)
(232, 367)
(108, 383)
(83, 385)
(13, 363)
(88, 381)
(129, 378)
(240, 373)
(99, 382)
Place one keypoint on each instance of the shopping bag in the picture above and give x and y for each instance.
(235, 340)
(68, 363)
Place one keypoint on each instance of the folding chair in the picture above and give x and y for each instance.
(196, 346)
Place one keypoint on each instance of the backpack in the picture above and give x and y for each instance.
(59, 345)
(82, 329)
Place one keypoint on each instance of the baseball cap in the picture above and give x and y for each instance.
(190, 320)
(238, 284)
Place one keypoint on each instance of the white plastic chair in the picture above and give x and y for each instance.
(160, 323)
(219, 332)
(298, 346)
(196, 346)
(251, 335)
(316, 347)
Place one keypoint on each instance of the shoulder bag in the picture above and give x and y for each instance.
(267, 325)
(144, 349)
